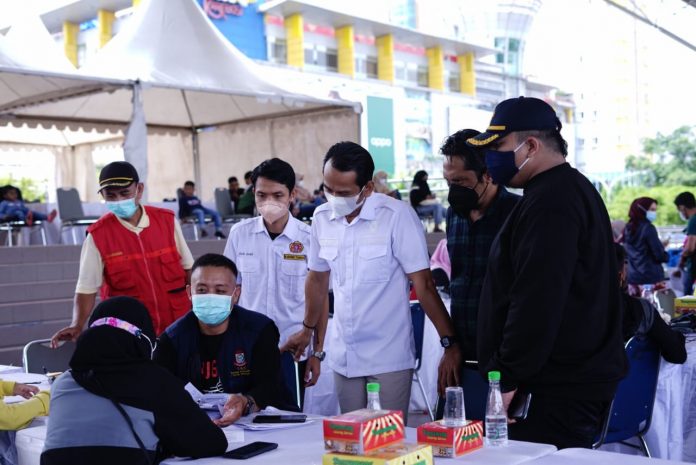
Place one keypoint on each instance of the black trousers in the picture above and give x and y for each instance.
(560, 421)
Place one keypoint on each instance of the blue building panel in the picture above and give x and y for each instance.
(241, 23)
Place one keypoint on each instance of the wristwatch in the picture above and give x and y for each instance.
(320, 354)
(448, 341)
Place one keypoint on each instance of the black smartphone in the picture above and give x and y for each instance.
(519, 405)
(280, 418)
(250, 450)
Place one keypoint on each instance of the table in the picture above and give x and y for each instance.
(304, 445)
(595, 457)
(672, 434)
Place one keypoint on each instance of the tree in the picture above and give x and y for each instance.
(667, 214)
(668, 160)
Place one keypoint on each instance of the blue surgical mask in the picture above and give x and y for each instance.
(212, 309)
(651, 216)
(501, 165)
(123, 208)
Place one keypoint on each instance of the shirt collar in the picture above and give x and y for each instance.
(143, 223)
(290, 230)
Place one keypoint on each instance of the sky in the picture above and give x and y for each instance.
(563, 27)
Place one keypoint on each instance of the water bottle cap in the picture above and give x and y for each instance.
(493, 376)
(372, 387)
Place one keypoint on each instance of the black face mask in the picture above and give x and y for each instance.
(463, 199)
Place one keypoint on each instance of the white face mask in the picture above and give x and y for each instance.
(383, 181)
(272, 211)
(343, 206)
(683, 217)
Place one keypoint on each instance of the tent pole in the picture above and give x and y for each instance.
(196, 157)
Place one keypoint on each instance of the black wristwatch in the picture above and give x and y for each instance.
(448, 341)
(320, 354)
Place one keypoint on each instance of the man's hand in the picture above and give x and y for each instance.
(24, 390)
(232, 411)
(312, 372)
(297, 343)
(507, 398)
(448, 371)
(66, 334)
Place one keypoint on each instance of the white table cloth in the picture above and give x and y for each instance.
(304, 445)
(595, 457)
(672, 433)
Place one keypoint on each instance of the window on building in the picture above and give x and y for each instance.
(278, 50)
(400, 71)
(454, 82)
(322, 57)
(422, 76)
(371, 67)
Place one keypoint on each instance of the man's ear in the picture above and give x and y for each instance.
(188, 291)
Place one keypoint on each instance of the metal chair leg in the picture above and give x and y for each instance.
(72, 233)
(43, 235)
(10, 238)
(644, 446)
(425, 397)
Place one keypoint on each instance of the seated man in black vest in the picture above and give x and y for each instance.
(220, 347)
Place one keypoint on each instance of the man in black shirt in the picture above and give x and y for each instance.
(221, 347)
(549, 315)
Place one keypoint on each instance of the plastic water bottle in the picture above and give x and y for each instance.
(373, 396)
(496, 418)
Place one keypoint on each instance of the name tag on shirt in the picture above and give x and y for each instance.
(291, 256)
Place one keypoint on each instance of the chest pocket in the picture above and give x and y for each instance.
(293, 274)
(249, 268)
(120, 277)
(373, 262)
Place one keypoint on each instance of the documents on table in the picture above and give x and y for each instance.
(247, 422)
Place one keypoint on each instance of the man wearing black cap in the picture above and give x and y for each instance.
(135, 251)
(549, 316)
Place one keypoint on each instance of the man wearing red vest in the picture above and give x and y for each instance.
(134, 250)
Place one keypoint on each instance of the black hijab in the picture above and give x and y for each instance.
(113, 363)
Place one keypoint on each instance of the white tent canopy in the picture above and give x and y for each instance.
(192, 78)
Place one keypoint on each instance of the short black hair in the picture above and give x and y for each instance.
(214, 259)
(473, 157)
(550, 137)
(190, 183)
(349, 156)
(275, 169)
(232, 179)
(247, 175)
(685, 199)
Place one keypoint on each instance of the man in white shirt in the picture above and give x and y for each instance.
(271, 253)
(371, 246)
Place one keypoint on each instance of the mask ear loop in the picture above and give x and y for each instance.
(526, 160)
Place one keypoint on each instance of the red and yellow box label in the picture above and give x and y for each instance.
(398, 454)
(451, 441)
(363, 430)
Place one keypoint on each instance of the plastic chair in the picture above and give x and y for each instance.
(16, 225)
(630, 413)
(191, 220)
(38, 357)
(418, 320)
(224, 207)
(665, 300)
(70, 209)
(291, 376)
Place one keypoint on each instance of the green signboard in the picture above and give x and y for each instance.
(380, 132)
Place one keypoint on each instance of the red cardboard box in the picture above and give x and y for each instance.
(451, 441)
(363, 430)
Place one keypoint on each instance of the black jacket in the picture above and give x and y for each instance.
(550, 315)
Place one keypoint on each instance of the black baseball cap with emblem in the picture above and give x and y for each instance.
(117, 174)
(517, 114)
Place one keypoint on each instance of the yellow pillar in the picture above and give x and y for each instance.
(136, 3)
(294, 37)
(467, 73)
(569, 115)
(436, 68)
(346, 50)
(70, 32)
(105, 20)
(385, 58)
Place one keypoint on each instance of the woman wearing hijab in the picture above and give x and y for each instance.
(115, 406)
(382, 186)
(644, 249)
(424, 201)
